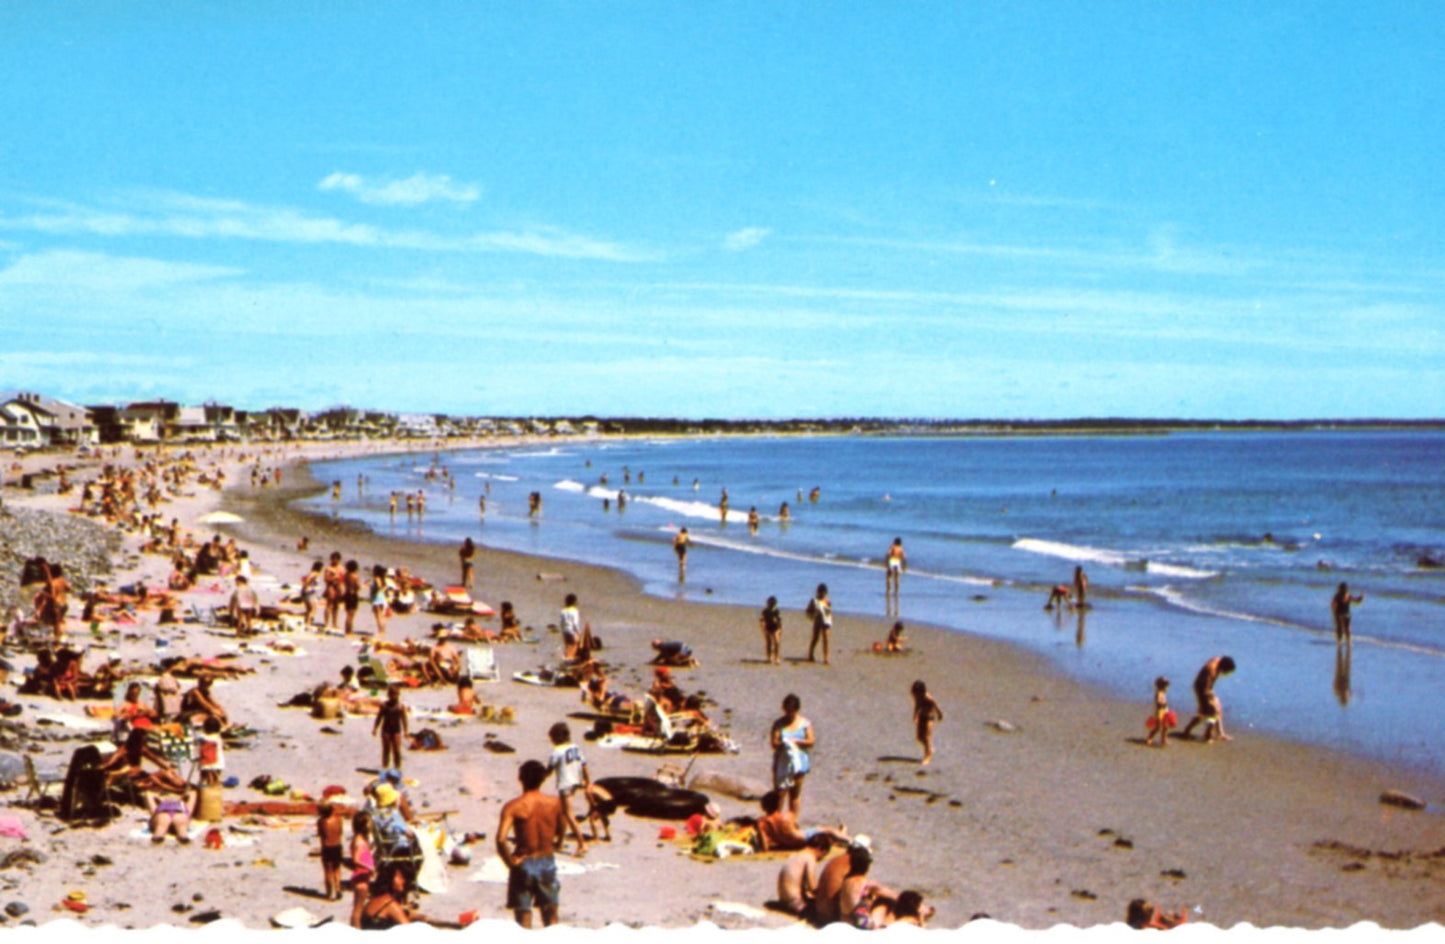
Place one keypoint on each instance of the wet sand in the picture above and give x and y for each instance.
(1040, 808)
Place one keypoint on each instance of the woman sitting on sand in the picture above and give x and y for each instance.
(594, 693)
(200, 704)
(511, 626)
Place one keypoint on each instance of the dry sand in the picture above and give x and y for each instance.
(1061, 818)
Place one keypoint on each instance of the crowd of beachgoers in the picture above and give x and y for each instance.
(174, 658)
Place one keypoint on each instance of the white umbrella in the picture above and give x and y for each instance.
(220, 517)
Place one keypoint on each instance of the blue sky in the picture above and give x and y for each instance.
(999, 209)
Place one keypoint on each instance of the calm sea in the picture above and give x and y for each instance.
(1195, 544)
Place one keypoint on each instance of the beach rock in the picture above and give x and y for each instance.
(17, 908)
(740, 788)
(22, 857)
(83, 547)
(1001, 726)
(1403, 800)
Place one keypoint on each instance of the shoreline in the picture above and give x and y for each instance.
(1273, 842)
(625, 602)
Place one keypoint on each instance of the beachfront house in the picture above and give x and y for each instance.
(221, 420)
(148, 421)
(59, 423)
(18, 428)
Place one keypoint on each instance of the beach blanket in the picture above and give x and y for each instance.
(73, 722)
(197, 832)
(494, 871)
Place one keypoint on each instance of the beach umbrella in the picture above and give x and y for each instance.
(220, 517)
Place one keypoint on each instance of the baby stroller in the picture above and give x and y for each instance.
(394, 843)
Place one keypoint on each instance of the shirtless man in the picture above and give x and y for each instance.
(798, 878)
(679, 547)
(535, 825)
(1210, 710)
(895, 563)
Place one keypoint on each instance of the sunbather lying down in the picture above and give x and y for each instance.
(206, 668)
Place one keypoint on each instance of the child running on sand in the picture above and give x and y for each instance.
(925, 713)
(1163, 720)
(329, 829)
(391, 721)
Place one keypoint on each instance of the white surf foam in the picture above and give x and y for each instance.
(1093, 555)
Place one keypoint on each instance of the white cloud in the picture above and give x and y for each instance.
(745, 239)
(417, 189)
(97, 271)
(190, 217)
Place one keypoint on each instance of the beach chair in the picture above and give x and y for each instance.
(38, 784)
(206, 617)
(377, 677)
(177, 744)
(481, 665)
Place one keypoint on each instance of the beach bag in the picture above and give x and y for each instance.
(83, 796)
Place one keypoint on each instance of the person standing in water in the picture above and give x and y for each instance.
(680, 545)
(895, 563)
(1081, 588)
(1340, 607)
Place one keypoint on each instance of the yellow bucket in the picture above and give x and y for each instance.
(211, 809)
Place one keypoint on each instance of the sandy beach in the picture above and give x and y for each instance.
(1042, 807)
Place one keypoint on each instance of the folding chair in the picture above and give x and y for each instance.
(37, 785)
(177, 745)
(481, 664)
(378, 676)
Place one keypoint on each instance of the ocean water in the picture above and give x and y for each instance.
(1195, 544)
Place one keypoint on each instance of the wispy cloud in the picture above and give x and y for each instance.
(97, 271)
(417, 189)
(744, 239)
(190, 217)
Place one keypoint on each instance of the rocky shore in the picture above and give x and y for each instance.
(82, 547)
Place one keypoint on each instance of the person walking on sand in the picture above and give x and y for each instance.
(570, 766)
(334, 584)
(1162, 721)
(1210, 710)
(722, 507)
(530, 832)
(925, 714)
(467, 553)
(1081, 588)
(379, 598)
(820, 608)
(1340, 607)
(680, 545)
(351, 594)
(391, 722)
(771, 621)
(569, 623)
(792, 741)
(894, 565)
